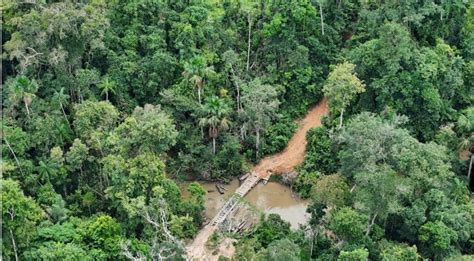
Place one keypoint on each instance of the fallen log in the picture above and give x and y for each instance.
(220, 189)
(241, 225)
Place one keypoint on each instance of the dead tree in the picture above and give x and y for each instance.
(160, 249)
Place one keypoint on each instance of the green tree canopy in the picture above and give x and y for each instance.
(341, 86)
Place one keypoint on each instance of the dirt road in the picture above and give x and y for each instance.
(285, 161)
(293, 155)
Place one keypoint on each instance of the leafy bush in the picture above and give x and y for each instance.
(278, 135)
(213, 241)
(271, 229)
(320, 152)
(304, 183)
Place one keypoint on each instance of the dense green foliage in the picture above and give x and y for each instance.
(106, 104)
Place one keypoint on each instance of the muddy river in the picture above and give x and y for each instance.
(270, 198)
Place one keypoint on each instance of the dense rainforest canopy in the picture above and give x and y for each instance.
(108, 105)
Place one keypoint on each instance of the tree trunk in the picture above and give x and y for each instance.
(213, 146)
(340, 118)
(239, 106)
(372, 222)
(80, 171)
(353, 187)
(14, 245)
(313, 235)
(321, 15)
(101, 182)
(248, 41)
(257, 142)
(14, 155)
(106, 95)
(234, 80)
(79, 95)
(199, 95)
(64, 113)
(26, 106)
(72, 94)
(470, 169)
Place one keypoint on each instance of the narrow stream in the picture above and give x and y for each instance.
(270, 198)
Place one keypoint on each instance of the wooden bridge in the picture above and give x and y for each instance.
(196, 249)
(230, 205)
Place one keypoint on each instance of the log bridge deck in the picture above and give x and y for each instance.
(233, 201)
(196, 251)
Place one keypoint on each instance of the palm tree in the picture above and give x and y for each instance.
(58, 211)
(21, 88)
(465, 127)
(46, 169)
(107, 86)
(195, 71)
(215, 111)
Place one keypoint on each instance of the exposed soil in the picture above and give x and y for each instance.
(293, 154)
(197, 250)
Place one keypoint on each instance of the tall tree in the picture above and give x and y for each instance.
(22, 89)
(260, 102)
(149, 128)
(250, 9)
(437, 239)
(367, 141)
(331, 191)
(20, 215)
(195, 71)
(321, 15)
(341, 87)
(282, 249)
(94, 116)
(465, 127)
(348, 225)
(107, 86)
(376, 195)
(232, 63)
(62, 98)
(215, 117)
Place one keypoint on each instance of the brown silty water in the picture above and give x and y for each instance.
(270, 198)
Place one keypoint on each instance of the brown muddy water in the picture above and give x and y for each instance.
(270, 198)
